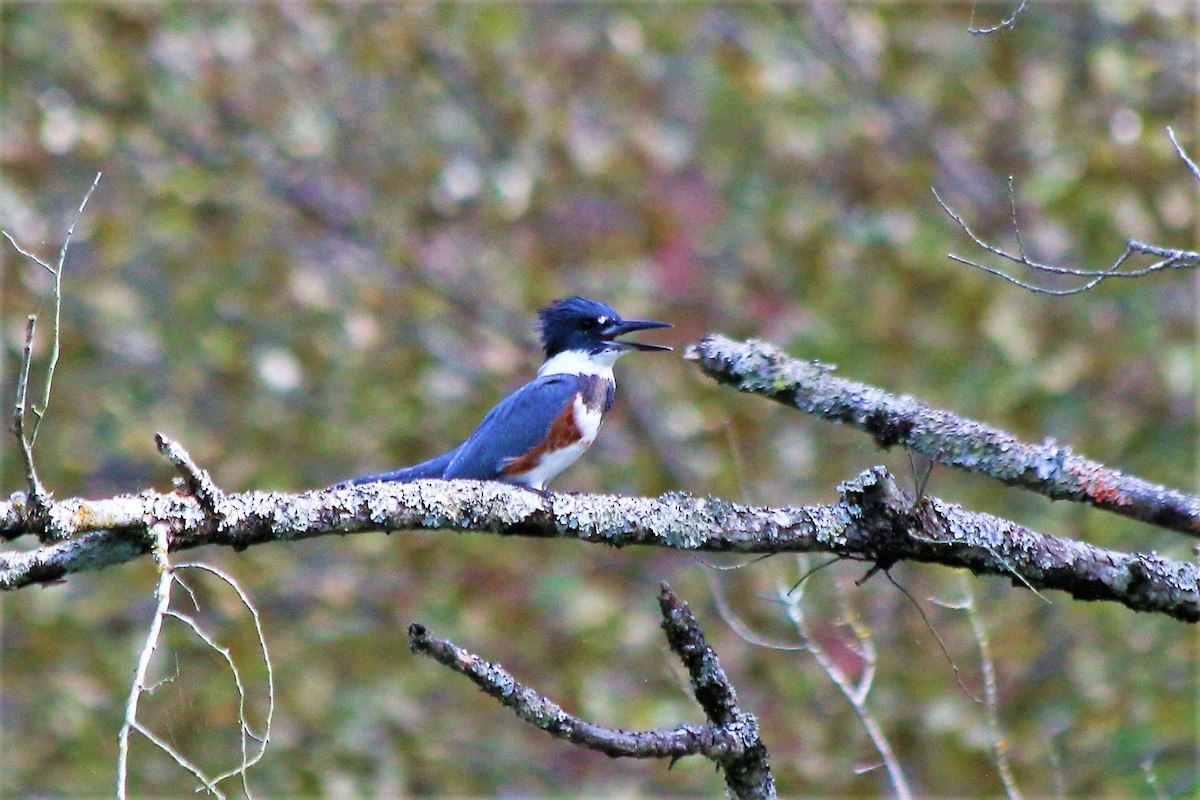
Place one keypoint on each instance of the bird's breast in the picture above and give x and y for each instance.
(593, 401)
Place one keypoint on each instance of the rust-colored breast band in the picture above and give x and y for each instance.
(563, 433)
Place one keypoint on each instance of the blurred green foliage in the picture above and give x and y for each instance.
(320, 238)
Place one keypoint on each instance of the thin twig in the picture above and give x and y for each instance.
(163, 592)
(168, 578)
(740, 626)
(179, 758)
(37, 494)
(1012, 203)
(40, 412)
(1007, 24)
(991, 694)
(35, 259)
(855, 692)
(265, 737)
(1167, 257)
(1191, 165)
(937, 636)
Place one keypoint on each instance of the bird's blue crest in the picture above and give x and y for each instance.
(573, 324)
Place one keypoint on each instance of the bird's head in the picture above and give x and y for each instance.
(590, 327)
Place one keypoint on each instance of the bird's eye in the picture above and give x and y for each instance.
(588, 323)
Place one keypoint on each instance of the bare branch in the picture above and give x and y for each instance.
(26, 253)
(138, 686)
(1191, 165)
(874, 522)
(37, 493)
(1047, 468)
(264, 738)
(1167, 257)
(40, 411)
(747, 767)
(855, 692)
(547, 715)
(179, 758)
(1007, 24)
(168, 578)
(730, 738)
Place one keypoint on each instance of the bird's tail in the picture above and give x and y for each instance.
(433, 468)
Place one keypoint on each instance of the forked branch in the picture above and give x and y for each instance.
(729, 738)
(1164, 257)
(38, 497)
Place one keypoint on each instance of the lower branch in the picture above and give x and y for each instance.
(547, 715)
(730, 738)
(748, 766)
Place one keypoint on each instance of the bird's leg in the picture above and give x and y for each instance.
(545, 494)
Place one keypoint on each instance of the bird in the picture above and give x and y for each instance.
(542, 428)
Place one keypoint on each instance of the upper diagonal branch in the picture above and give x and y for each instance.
(873, 522)
(1047, 468)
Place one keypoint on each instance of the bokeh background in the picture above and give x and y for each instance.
(320, 239)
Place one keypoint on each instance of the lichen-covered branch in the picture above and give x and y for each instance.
(748, 765)
(1047, 468)
(874, 521)
(730, 738)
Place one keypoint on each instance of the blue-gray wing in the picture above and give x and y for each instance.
(516, 425)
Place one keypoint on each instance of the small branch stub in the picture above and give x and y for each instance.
(196, 480)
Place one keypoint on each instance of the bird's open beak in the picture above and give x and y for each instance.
(615, 329)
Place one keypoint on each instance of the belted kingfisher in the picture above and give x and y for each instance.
(542, 428)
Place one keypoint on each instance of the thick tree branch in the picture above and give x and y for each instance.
(875, 522)
(730, 738)
(1047, 468)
